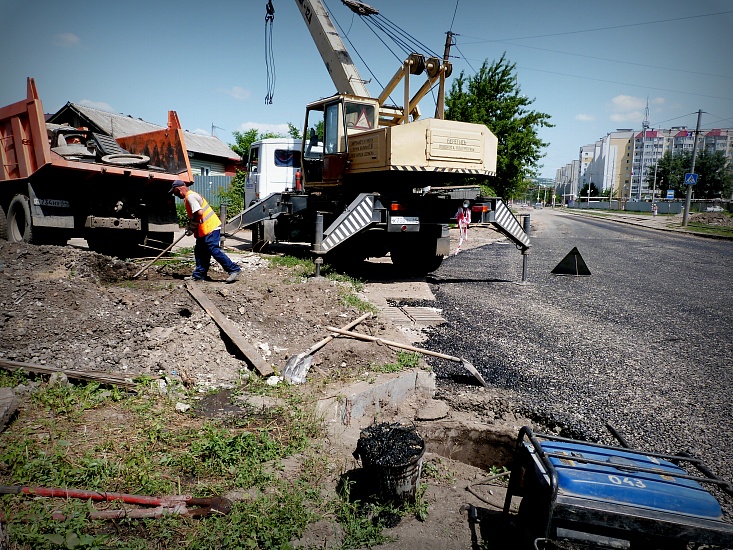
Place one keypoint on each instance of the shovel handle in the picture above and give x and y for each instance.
(136, 275)
(318, 345)
(393, 344)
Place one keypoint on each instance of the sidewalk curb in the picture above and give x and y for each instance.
(641, 223)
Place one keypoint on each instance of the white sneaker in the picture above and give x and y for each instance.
(233, 276)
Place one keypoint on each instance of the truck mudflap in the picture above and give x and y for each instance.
(359, 215)
(508, 224)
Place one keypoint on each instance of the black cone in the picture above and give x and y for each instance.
(572, 264)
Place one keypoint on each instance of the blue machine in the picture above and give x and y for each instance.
(613, 496)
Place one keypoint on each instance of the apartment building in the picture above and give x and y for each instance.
(622, 161)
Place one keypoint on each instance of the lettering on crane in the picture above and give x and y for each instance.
(307, 11)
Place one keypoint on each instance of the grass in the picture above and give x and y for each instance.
(405, 360)
(87, 437)
(711, 229)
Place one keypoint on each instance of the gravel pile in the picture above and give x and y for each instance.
(644, 343)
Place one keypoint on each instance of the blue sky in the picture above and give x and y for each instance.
(592, 66)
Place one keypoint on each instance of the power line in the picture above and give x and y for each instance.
(454, 16)
(627, 84)
(627, 25)
(614, 60)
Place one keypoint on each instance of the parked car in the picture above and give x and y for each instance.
(715, 208)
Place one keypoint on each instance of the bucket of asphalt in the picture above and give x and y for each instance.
(391, 454)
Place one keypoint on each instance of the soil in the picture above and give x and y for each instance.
(71, 308)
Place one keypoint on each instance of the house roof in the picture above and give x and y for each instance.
(650, 134)
(684, 133)
(119, 125)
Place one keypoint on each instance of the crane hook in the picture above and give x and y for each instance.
(270, 9)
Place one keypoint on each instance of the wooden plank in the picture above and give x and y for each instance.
(248, 350)
(89, 376)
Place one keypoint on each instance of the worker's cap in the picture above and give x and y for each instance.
(177, 183)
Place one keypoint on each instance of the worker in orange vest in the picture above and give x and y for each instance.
(205, 225)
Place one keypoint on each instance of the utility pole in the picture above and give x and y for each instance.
(688, 196)
(440, 105)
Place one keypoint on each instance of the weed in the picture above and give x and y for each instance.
(10, 379)
(405, 360)
(71, 399)
(360, 530)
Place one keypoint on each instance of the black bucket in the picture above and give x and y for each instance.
(396, 481)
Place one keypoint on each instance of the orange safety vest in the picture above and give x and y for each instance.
(209, 219)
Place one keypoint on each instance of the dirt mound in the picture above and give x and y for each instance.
(76, 309)
(721, 219)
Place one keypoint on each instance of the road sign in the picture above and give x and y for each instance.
(690, 179)
(670, 194)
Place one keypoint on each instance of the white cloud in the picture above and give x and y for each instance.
(200, 132)
(237, 92)
(264, 128)
(582, 117)
(626, 108)
(101, 105)
(66, 39)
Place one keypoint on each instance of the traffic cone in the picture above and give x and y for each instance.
(572, 264)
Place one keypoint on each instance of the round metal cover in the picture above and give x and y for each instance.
(126, 159)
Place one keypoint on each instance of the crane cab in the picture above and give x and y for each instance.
(329, 123)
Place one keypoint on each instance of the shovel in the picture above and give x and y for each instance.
(468, 366)
(298, 365)
(174, 243)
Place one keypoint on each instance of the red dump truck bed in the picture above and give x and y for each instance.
(57, 181)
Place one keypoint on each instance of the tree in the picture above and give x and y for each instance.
(584, 191)
(492, 97)
(293, 131)
(715, 177)
(244, 140)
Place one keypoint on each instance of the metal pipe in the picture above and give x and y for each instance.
(525, 251)
(318, 243)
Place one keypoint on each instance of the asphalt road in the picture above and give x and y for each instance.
(645, 342)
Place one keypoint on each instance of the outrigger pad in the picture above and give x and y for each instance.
(572, 264)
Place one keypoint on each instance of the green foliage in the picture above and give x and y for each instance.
(715, 174)
(405, 360)
(493, 97)
(243, 140)
(73, 399)
(294, 132)
(181, 214)
(234, 195)
(584, 191)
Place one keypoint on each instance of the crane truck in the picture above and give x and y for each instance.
(58, 182)
(375, 177)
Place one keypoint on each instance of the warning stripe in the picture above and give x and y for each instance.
(357, 217)
(505, 220)
(439, 169)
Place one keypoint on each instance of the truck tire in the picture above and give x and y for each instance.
(415, 256)
(19, 222)
(3, 224)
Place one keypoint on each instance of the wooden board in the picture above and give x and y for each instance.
(252, 356)
(89, 376)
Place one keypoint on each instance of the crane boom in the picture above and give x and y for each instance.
(344, 73)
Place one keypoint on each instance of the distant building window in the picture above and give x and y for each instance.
(205, 171)
(290, 159)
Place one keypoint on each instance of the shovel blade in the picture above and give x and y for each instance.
(297, 368)
(470, 368)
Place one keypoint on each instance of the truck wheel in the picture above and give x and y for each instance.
(416, 257)
(3, 225)
(19, 223)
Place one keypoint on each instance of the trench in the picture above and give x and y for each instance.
(476, 445)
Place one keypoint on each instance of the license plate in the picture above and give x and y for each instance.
(405, 220)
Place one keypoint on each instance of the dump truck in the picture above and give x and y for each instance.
(377, 179)
(59, 182)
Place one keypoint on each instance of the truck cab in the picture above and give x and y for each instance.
(272, 167)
